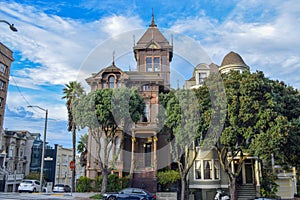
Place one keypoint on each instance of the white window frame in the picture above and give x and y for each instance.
(151, 65)
(214, 170)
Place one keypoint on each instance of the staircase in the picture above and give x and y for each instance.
(145, 180)
(246, 192)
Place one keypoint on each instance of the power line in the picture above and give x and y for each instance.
(20, 91)
(15, 83)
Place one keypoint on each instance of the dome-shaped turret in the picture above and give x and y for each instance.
(232, 58)
(233, 61)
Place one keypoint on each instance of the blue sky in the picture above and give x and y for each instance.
(65, 40)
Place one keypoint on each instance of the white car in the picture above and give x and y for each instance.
(61, 188)
(29, 186)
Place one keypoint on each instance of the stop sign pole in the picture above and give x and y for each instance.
(72, 166)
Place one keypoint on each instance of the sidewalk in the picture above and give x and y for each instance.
(87, 195)
(76, 195)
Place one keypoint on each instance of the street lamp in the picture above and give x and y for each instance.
(44, 141)
(11, 26)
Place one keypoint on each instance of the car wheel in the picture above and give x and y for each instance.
(34, 190)
(111, 198)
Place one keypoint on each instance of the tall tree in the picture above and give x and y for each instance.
(82, 148)
(105, 112)
(182, 120)
(256, 122)
(72, 91)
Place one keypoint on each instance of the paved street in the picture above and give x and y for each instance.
(31, 196)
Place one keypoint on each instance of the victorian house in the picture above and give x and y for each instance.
(17, 145)
(207, 174)
(153, 54)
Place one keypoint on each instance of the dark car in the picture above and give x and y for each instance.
(61, 188)
(130, 193)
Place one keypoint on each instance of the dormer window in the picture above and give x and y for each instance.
(202, 77)
(111, 82)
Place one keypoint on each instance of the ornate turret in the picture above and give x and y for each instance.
(153, 53)
(233, 61)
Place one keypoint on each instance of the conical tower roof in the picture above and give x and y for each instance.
(152, 35)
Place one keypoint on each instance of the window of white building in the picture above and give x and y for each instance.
(202, 77)
(207, 170)
(198, 169)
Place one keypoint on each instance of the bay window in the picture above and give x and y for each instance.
(207, 169)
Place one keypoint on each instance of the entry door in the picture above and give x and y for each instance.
(148, 155)
(249, 173)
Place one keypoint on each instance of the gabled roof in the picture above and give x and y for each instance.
(110, 69)
(152, 35)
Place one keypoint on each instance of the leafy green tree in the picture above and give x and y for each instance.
(72, 91)
(105, 112)
(258, 121)
(182, 120)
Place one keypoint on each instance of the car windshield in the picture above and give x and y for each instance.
(27, 182)
(59, 185)
(146, 191)
(126, 191)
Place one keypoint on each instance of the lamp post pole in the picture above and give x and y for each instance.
(11, 26)
(44, 142)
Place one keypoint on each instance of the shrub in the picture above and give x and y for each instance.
(167, 178)
(84, 184)
(98, 183)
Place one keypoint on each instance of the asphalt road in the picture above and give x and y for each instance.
(33, 196)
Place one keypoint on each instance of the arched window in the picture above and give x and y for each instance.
(111, 81)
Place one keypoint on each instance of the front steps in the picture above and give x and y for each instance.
(246, 192)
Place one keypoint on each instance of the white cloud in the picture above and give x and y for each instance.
(58, 45)
(268, 43)
(264, 33)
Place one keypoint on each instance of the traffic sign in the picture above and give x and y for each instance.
(72, 165)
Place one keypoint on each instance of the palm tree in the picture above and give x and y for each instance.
(72, 91)
(82, 149)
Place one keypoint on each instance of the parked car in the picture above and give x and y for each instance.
(130, 193)
(61, 188)
(29, 186)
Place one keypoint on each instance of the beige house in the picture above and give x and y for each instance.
(207, 175)
(63, 173)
